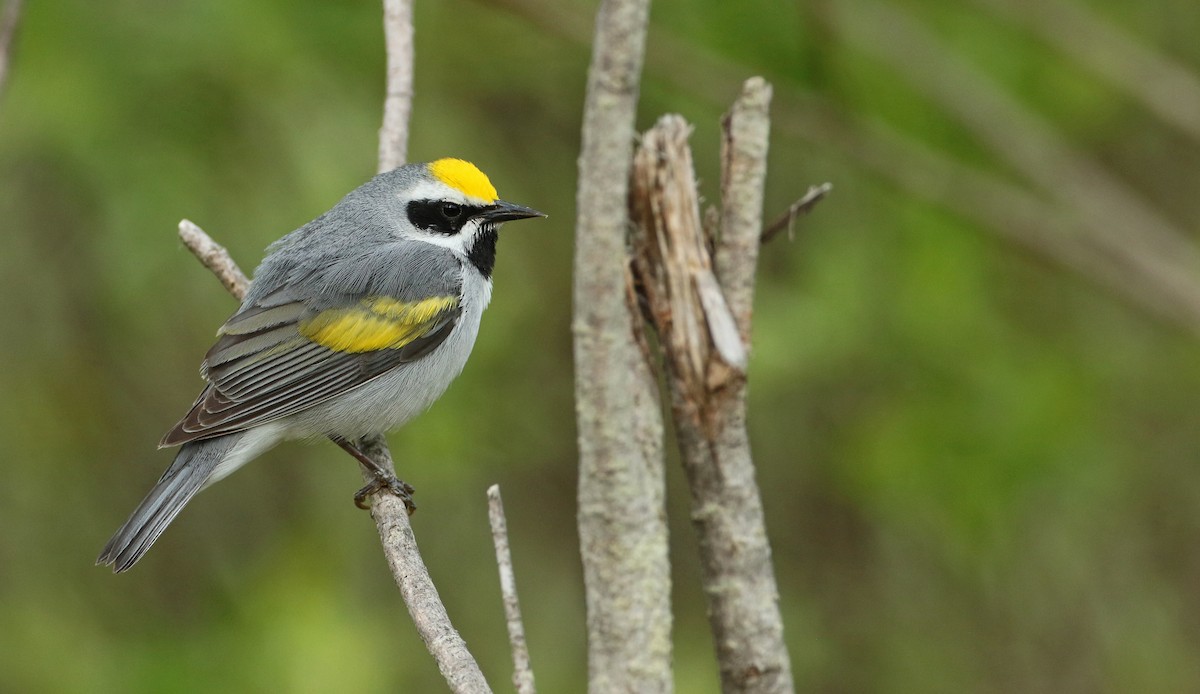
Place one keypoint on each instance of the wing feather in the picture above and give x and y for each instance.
(274, 360)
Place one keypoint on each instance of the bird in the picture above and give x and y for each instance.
(354, 324)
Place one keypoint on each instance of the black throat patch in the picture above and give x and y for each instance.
(483, 252)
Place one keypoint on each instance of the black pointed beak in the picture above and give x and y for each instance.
(501, 211)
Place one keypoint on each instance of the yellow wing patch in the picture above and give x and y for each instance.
(377, 322)
(464, 177)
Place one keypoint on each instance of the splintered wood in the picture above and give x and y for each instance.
(672, 262)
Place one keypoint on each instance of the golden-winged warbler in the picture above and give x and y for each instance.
(355, 323)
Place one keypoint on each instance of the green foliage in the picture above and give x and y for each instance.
(978, 466)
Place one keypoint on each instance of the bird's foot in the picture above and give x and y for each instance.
(381, 478)
(384, 481)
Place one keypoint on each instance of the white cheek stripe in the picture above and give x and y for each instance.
(456, 243)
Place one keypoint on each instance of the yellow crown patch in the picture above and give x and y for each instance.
(464, 177)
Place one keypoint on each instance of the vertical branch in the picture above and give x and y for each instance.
(454, 661)
(622, 524)
(397, 103)
(744, 134)
(393, 143)
(699, 306)
(735, 553)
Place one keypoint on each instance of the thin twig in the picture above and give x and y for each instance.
(397, 103)
(522, 673)
(797, 209)
(621, 517)
(393, 144)
(445, 644)
(214, 257)
(9, 20)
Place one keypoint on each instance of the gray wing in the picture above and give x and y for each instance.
(281, 354)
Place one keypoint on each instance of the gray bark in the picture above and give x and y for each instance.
(622, 523)
(694, 316)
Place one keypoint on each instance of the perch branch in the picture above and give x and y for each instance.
(454, 661)
(522, 673)
(622, 516)
(444, 643)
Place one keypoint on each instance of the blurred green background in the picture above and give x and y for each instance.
(974, 382)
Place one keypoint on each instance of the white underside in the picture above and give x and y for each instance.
(253, 443)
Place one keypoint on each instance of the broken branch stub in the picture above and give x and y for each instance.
(673, 263)
(698, 291)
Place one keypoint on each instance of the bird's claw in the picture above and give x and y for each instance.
(392, 484)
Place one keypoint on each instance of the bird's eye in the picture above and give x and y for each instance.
(439, 216)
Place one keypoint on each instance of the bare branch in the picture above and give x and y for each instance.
(214, 257)
(9, 20)
(743, 173)
(622, 518)
(796, 210)
(735, 553)
(672, 262)
(446, 646)
(456, 663)
(397, 104)
(444, 643)
(708, 392)
(522, 673)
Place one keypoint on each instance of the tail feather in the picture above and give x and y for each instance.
(193, 466)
